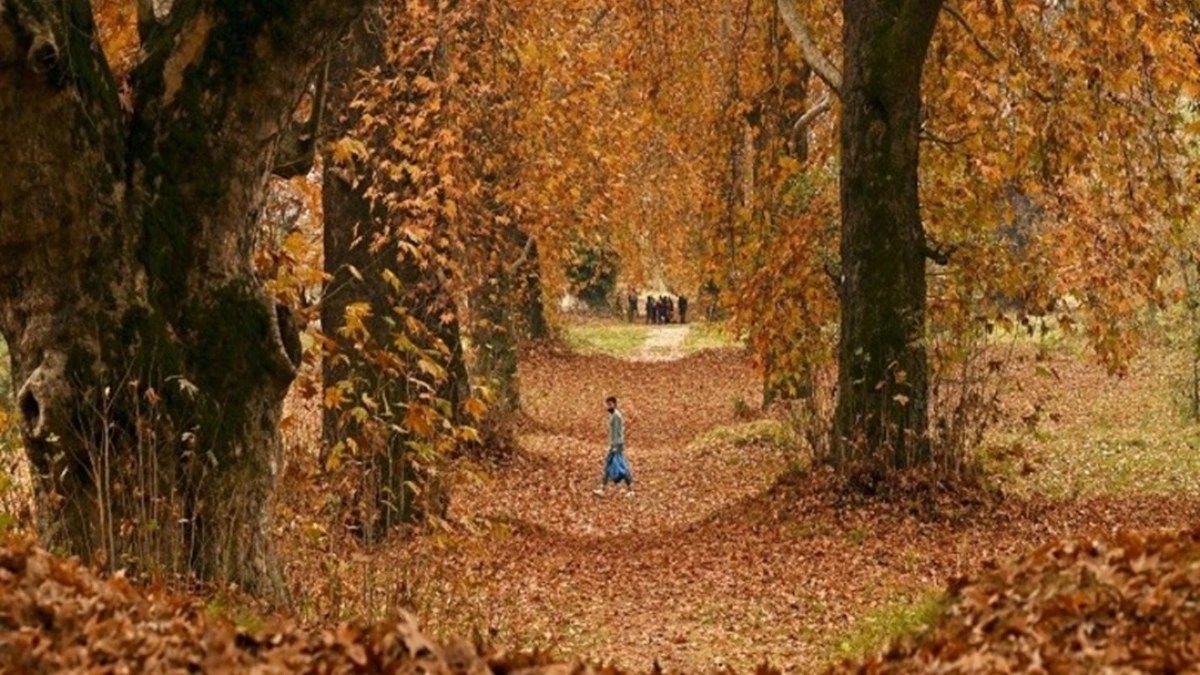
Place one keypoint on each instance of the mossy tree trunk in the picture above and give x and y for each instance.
(152, 365)
(494, 304)
(371, 262)
(881, 415)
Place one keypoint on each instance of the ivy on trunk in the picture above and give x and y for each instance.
(372, 262)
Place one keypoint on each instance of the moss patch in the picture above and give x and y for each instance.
(901, 619)
(766, 432)
(704, 336)
(613, 339)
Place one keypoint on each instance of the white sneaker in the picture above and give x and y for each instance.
(599, 492)
(629, 493)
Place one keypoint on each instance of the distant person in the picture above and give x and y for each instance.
(713, 292)
(649, 309)
(616, 468)
(631, 299)
(683, 303)
(664, 310)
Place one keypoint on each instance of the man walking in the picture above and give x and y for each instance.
(616, 468)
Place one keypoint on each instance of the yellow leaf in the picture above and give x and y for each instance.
(474, 407)
(334, 398)
(419, 420)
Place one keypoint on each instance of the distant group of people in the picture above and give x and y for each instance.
(658, 310)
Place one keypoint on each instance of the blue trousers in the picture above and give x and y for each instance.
(616, 468)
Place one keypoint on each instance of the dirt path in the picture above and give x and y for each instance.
(664, 343)
(714, 562)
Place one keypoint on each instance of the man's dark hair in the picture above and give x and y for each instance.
(611, 399)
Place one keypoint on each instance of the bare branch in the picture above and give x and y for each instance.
(297, 149)
(812, 114)
(515, 266)
(927, 135)
(820, 63)
(146, 20)
(962, 21)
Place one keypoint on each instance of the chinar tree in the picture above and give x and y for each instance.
(395, 371)
(151, 364)
(1093, 141)
(883, 371)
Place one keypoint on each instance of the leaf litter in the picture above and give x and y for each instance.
(724, 559)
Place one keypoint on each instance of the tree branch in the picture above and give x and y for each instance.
(910, 35)
(812, 114)
(159, 23)
(515, 266)
(151, 16)
(298, 147)
(962, 21)
(237, 67)
(927, 135)
(820, 64)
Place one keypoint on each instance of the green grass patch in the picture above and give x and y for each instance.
(905, 618)
(1044, 334)
(221, 606)
(702, 336)
(1088, 465)
(764, 432)
(1096, 435)
(613, 339)
(1123, 437)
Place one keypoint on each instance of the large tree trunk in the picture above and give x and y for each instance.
(152, 364)
(494, 331)
(534, 326)
(493, 305)
(882, 402)
(493, 237)
(371, 261)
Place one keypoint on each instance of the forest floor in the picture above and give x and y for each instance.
(730, 553)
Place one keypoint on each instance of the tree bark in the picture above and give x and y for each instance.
(494, 308)
(369, 260)
(493, 234)
(153, 364)
(494, 332)
(534, 326)
(881, 415)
